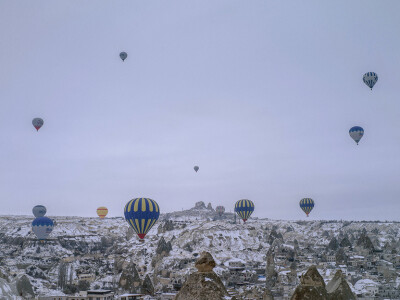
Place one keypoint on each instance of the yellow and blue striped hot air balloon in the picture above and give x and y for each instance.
(244, 208)
(141, 214)
(307, 204)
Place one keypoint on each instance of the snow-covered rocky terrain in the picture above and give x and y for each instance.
(97, 251)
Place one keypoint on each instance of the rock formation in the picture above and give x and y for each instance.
(268, 295)
(147, 287)
(333, 244)
(204, 284)
(130, 279)
(312, 286)
(338, 288)
(209, 207)
(345, 242)
(24, 287)
(163, 248)
(274, 235)
(205, 263)
(270, 273)
(364, 241)
(199, 205)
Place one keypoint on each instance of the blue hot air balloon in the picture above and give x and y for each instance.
(196, 168)
(42, 227)
(39, 211)
(370, 78)
(244, 208)
(141, 214)
(307, 204)
(356, 133)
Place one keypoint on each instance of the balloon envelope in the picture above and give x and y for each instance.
(244, 208)
(356, 133)
(102, 212)
(370, 78)
(37, 123)
(141, 214)
(196, 168)
(39, 211)
(42, 227)
(123, 55)
(220, 210)
(307, 204)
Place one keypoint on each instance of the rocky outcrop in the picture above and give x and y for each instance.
(268, 295)
(24, 287)
(209, 207)
(312, 286)
(338, 288)
(205, 263)
(270, 273)
(35, 272)
(274, 235)
(147, 287)
(341, 256)
(199, 205)
(345, 242)
(204, 284)
(333, 244)
(364, 241)
(163, 248)
(130, 280)
(7, 290)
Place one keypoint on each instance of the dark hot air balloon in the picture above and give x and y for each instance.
(37, 123)
(123, 55)
(370, 78)
(39, 211)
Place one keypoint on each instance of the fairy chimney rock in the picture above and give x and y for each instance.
(205, 263)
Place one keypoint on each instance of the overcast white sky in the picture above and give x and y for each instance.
(259, 94)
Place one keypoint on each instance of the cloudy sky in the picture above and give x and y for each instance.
(259, 94)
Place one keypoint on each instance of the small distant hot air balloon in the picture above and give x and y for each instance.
(220, 210)
(39, 211)
(196, 168)
(123, 55)
(244, 208)
(42, 227)
(37, 123)
(102, 212)
(141, 214)
(356, 133)
(370, 78)
(307, 204)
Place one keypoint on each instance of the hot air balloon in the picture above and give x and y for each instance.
(244, 208)
(141, 214)
(196, 168)
(220, 210)
(37, 123)
(39, 211)
(370, 79)
(307, 204)
(42, 227)
(123, 55)
(356, 133)
(102, 212)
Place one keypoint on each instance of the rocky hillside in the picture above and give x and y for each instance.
(104, 248)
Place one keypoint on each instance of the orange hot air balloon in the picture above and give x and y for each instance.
(102, 212)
